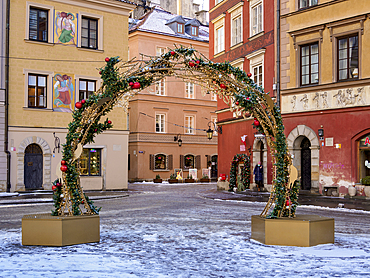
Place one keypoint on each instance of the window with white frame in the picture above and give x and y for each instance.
(86, 88)
(307, 3)
(256, 62)
(159, 87)
(256, 18)
(214, 97)
(160, 123)
(90, 31)
(40, 23)
(189, 90)
(189, 125)
(37, 91)
(160, 51)
(257, 73)
(236, 23)
(219, 39)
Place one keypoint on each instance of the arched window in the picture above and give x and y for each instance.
(189, 161)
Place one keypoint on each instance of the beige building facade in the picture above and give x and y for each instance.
(57, 48)
(171, 109)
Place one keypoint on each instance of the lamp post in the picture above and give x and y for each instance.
(178, 139)
(210, 131)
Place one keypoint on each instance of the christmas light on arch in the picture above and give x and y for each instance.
(246, 171)
(123, 80)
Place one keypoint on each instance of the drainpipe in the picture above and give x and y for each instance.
(6, 137)
(278, 53)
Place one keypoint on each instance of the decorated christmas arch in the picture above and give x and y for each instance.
(245, 171)
(123, 80)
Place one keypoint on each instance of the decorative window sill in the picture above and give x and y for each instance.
(37, 109)
(39, 42)
(90, 49)
(256, 36)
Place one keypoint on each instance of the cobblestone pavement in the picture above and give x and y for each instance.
(184, 230)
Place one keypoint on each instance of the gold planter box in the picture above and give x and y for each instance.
(47, 230)
(303, 230)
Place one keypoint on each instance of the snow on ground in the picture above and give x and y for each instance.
(156, 250)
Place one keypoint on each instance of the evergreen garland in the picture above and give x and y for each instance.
(245, 174)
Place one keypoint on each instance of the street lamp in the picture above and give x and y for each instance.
(210, 131)
(178, 139)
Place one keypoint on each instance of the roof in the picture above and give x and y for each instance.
(158, 19)
(193, 22)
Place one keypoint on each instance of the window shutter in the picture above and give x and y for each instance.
(170, 162)
(151, 162)
(181, 161)
(198, 164)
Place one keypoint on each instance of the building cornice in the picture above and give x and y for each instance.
(319, 6)
(110, 6)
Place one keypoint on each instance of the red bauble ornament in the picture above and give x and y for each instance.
(78, 105)
(63, 162)
(191, 64)
(197, 62)
(249, 74)
(172, 53)
(53, 187)
(131, 84)
(107, 59)
(237, 102)
(223, 86)
(288, 203)
(96, 130)
(136, 85)
(109, 122)
(99, 72)
(58, 184)
(63, 168)
(256, 123)
(83, 101)
(247, 98)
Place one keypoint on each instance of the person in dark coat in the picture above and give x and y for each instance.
(258, 175)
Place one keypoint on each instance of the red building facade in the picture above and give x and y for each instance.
(242, 33)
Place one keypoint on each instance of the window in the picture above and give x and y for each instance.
(256, 19)
(37, 91)
(236, 34)
(309, 64)
(89, 33)
(86, 88)
(160, 51)
(194, 31)
(38, 25)
(90, 162)
(180, 28)
(189, 90)
(159, 123)
(258, 75)
(307, 3)
(159, 88)
(189, 161)
(219, 40)
(347, 50)
(160, 162)
(189, 124)
(214, 97)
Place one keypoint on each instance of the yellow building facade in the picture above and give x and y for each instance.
(56, 50)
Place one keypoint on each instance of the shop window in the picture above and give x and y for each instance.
(160, 162)
(347, 49)
(38, 24)
(303, 4)
(189, 161)
(309, 64)
(89, 33)
(90, 162)
(37, 92)
(86, 88)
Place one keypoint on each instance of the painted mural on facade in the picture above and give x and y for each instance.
(64, 92)
(65, 28)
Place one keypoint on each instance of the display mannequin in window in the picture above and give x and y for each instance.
(258, 176)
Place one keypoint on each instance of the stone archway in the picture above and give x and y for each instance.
(295, 138)
(46, 183)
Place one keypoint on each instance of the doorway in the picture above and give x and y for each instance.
(33, 165)
(214, 169)
(306, 164)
